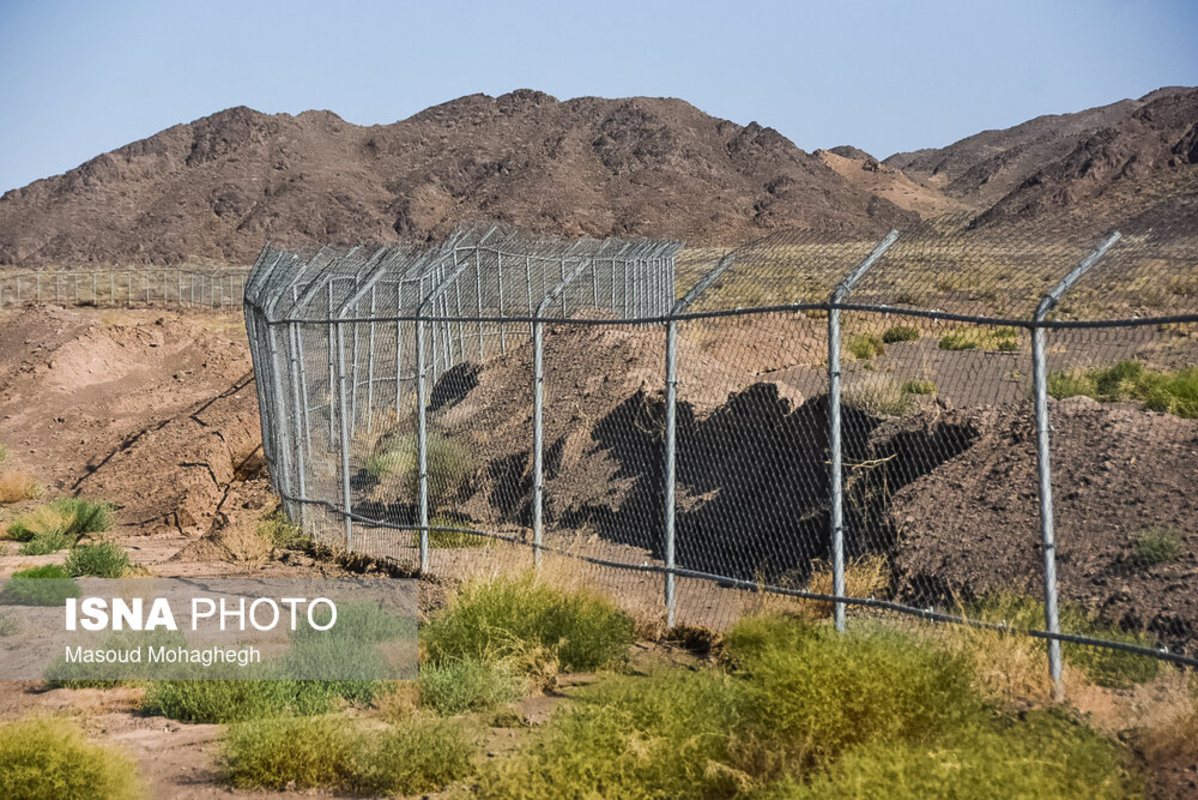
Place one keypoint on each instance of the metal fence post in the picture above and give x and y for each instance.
(343, 409)
(422, 442)
(538, 439)
(299, 403)
(836, 458)
(1052, 619)
(671, 464)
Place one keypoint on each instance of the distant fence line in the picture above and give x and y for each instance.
(189, 286)
(801, 410)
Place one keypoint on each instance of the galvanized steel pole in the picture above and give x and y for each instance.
(344, 414)
(836, 466)
(422, 443)
(1043, 457)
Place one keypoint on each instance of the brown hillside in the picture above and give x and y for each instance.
(866, 173)
(221, 186)
(1144, 169)
(983, 168)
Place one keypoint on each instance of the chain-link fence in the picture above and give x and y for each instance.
(946, 423)
(195, 287)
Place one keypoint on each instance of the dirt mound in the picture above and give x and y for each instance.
(971, 526)
(153, 411)
(222, 185)
(752, 448)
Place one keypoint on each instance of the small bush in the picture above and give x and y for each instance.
(281, 753)
(884, 398)
(1003, 339)
(45, 543)
(670, 735)
(227, 701)
(8, 626)
(451, 534)
(417, 756)
(1157, 545)
(455, 687)
(71, 517)
(900, 333)
(40, 586)
(101, 560)
(357, 624)
(3, 453)
(505, 617)
(1131, 381)
(277, 530)
(918, 387)
(864, 348)
(886, 689)
(17, 486)
(326, 752)
(396, 456)
(1042, 756)
(51, 759)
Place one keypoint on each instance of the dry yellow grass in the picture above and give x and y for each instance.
(1168, 729)
(17, 486)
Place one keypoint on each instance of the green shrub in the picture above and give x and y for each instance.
(41, 586)
(1044, 755)
(51, 759)
(1004, 339)
(506, 617)
(797, 704)
(357, 624)
(8, 626)
(455, 687)
(1105, 666)
(3, 453)
(918, 387)
(281, 753)
(78, 675)
(818, 693)
(865, 347)
(1157, 545)
(70, 517)
(417, 756)
(454, 537)
(900, 333)
(45, 543)
(327, 752)
(219, 701)
(673, 734)
(396, 457)
(282, 533)
(1131, 381)
(101, 560)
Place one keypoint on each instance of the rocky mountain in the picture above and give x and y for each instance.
(1054, 162)
(221, 186)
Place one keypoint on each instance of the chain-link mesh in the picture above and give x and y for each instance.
(674, 427)
(194, 287)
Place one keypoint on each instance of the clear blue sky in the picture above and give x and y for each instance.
(80, 78)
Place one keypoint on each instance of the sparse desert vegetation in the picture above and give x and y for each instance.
(1132, 382)
(1002, 339)
(51, 759)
